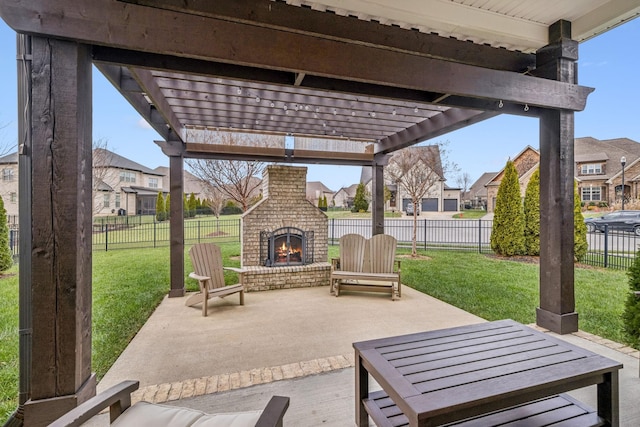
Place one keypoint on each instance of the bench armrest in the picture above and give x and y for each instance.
(273, 413)
(117, 398)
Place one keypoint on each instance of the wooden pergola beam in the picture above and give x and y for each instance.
(280, 15)
(104, 22)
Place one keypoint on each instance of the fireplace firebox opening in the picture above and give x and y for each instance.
(286, 246)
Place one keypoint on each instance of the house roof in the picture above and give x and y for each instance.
(191, 183)
(350, 191)
(431, 151)
(615, 149)
(316, 189)
(478, 188)
(113, 160)
(10, 158)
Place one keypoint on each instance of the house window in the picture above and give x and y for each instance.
(591, 194)
(591, 169)
(13, 197)
(117, 200)
(126, 176)
(153, 182)
(7, 175)
(107, 198)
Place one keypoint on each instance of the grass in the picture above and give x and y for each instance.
(129, 285)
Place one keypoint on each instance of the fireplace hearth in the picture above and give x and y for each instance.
(286, 246)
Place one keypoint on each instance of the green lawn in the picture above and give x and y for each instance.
(129, 284)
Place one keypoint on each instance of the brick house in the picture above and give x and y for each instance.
(598, 170)
(525, 163)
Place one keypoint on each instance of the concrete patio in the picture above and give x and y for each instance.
(297, 343)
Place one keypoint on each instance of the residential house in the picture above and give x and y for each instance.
(316, 189)
(191, 183)
(438, 198)
(9, 183)
(526, 162)
(343, 198)
(477, 194)
(122, 186)
(599, 169)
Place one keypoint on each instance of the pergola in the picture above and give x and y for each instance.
(347, 81)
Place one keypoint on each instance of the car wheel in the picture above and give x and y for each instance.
(591, 228)
(636, 230)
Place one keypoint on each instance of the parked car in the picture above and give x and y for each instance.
(410, 209)
(619, 221)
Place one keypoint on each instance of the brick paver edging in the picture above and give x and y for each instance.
(224, 382)
(166, 392)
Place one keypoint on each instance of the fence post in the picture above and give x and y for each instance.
(479, 235)
(333, 231)
(154, 233)
(106, 236)
(606, 246)
(198, 231)
(425, 234)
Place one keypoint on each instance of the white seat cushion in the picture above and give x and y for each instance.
(145, 414)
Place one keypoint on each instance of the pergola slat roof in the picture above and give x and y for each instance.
(339, 75)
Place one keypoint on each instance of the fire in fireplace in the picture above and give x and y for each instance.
(286, 246)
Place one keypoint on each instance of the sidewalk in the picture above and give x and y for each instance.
(297, 343)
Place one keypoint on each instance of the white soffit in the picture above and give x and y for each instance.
(512, 24)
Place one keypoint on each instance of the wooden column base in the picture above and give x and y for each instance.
(42, 412)
(558, 323)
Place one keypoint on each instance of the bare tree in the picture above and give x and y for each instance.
(214, 198)
(5, 147)
(417, 170)
(464, 182)
(237, 180)
(103, 174)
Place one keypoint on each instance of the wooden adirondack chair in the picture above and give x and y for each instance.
(209, 272)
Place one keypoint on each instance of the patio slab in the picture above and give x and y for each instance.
(297, 343)
(273, 328)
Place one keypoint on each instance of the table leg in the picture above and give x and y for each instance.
(362, 392)
(609, 400)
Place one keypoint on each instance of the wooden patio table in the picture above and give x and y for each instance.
(443, 376)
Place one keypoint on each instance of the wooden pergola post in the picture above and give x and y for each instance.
(176, 224)
(557, 301)
(58, 189)
(377, 193)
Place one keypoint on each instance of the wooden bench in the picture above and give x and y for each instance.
(560, 411)
(366, 265)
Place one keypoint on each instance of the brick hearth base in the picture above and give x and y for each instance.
(258, 278)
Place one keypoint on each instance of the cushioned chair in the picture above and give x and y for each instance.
(144, 414)
(206, 259)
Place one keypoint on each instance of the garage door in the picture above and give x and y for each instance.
(450, 205)
(429, 205)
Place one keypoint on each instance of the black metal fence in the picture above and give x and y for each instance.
(609, 249)
(456, 234)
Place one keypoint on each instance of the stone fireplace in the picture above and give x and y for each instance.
(284, 236)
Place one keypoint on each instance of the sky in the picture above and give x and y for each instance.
(609, 63)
